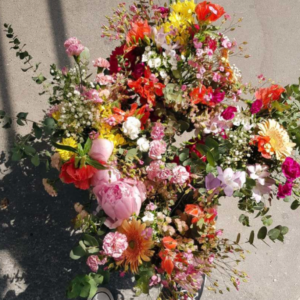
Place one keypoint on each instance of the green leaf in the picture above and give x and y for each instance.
(210, 159)
(39, 79)
(22, 116)
(77, 253)
(63, 147)
(20, 122)
(262, 233)
(2, 114)
(29, 150)
(7, 121)
(213, 147)
(202, 149)
(98, 278)
(88, 146)
(37, 131)
(90, 240)
(284, 230)
(95, 164)
(251, 238)
(267, 221)
(16, 155)
(184, 155)
(295, 205)
(238, 238)
(274, 234)
(49, 125)
(35, 160)
(130, 154)
(244, 220)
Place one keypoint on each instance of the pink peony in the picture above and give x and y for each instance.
(228, 113)
(73, 46)
(101, 150)
(291, 169)
(256, 107)
(114, 244)
(106, 176)
(284, 190)
(180, 175)
(157, 132)
(101, 63)
(93, 262)
(157, 148)
(157, 171)
(104, 79)
(120, 199)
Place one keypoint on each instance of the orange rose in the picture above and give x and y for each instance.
(269, 95)
(209, 12)
(139, 30)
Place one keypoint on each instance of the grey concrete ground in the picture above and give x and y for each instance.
(35, 229)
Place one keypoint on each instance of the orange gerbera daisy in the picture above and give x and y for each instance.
(138, 245)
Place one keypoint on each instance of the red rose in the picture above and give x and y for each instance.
(81, 177)
(209, 12)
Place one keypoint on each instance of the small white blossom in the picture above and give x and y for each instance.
(132, 127)
(143, 144)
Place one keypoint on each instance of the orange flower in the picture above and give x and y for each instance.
(198, 213)
(169, 243)
(209, 12)
(198, 95)
(268, 95)
(138, 245)
(167, 261)
(263, 144)
(139, 30)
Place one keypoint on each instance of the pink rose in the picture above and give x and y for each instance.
(104, 79)
(157, 132)
(101, 150)
(106, 176)
(180, 175)
(256, 107)
(120, 199)
(101, 63)
(228, 113)
(157, 148)
(291, 169)
(157, 171)
(114, 244)
(93, 262)
(284, 190)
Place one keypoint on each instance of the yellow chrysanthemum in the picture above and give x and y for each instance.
(181, 19)
(66, 155)
(279, 139)
(139, 245)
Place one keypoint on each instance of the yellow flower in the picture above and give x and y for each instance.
(279, 139)
(66, 155)
(56, 115)
(138, 245)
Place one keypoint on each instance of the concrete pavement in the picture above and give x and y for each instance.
(35, 229)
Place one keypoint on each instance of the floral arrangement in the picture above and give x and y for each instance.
(154, 199)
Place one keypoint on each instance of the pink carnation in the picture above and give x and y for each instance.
(71, 41)
(101, 63)
(157, 148)
(93, 262)
(114, 244)
(256, 107)
(180, 175)
(73, 47)
(228, 113)
(157, 132)
(285, 190)
(104, 79)
(120, 200)
(291, 169)
(157, 171)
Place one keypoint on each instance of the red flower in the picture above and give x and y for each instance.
(209, 12)
(139, 30)
(268, 95)
(198, 213)
(167, 261)
(202, 95)
(169, 243)
(81, 177)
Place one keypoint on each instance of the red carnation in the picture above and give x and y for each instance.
(81, 177)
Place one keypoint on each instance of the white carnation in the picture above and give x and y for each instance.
(143, 144)
(132, 127)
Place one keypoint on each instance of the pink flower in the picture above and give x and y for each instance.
(93, 95)
(217, 96)
(106, 176)
(147, 233)
(151, 206)
(256, 107)
(284, 190)
(180, 175)
(114, 244)
(93, 262)
(71, 41)
(216, 77)
(64, 71)
(158, 131)
(155, 280)
(73, 47)
(101, 63)
(93, 135)
(157, 148)
(120, 199)
(157, 171)
(197, 44)
(228, 113)
(291, 169)
(104, 93)
(104, 79)
(101, 150)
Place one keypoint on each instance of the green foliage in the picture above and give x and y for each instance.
(244, 220)
(267, 220)
(143, 279)
(262, 233)
(278, 233)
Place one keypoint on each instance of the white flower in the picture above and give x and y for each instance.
(157, 62)
(163, 74)
(132, 127)
(143, 144)
(148, 218)
(263, 182)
